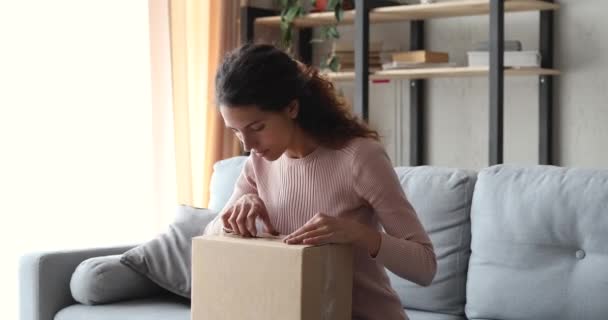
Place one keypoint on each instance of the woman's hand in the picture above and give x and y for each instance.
(241, 217)
(323, 229)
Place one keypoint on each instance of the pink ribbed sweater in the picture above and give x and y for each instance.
(357, 182)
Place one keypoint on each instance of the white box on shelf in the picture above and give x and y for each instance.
(511, 58)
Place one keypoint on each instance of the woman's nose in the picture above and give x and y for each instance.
(248, 143)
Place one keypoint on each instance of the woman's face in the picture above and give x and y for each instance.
(268, 134)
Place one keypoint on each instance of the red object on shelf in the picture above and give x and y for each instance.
(321, 5)
(381, 81)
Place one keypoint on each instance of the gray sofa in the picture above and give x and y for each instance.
(511, 242)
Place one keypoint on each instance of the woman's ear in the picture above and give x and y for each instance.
(293, 109)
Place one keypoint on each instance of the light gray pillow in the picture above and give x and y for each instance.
(104, 279)
(442, 200)
(166, 260)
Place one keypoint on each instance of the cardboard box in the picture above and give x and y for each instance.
(236, 278)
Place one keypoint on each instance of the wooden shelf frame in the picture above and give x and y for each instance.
(427, 73)
(414, 12)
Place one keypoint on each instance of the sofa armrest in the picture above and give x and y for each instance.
(44, 280)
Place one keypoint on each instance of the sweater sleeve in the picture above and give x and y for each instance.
(405, 248)
(245, 184)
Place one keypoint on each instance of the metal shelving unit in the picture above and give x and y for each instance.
(365, 14)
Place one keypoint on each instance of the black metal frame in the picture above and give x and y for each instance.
(417, 100)
(304, 47)
(545, 89)
(497, 15)
(248, 16)
(361, 106)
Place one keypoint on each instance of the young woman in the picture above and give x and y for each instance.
(317, 175)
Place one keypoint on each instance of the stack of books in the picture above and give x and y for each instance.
(418, 59)
(513, 57)
(345, 53)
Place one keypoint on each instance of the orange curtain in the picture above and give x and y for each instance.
(202, 31)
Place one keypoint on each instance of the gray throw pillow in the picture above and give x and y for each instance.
(104, 279)
(166, 260)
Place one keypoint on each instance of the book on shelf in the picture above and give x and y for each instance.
(372, 56)
(515, 59)
(421, 56)
(396, 65)
(348, 46)
(344, 51)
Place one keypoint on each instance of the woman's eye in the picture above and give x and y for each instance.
(258, 128)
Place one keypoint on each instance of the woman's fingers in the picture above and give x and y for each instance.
(309, 226)
(226, 219)
(315, 222)
(316, 232)
(233, 220)
(319, 240)
(267, 224)
(240, 219)
(250, 221)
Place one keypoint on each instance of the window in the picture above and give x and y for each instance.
(86, 160)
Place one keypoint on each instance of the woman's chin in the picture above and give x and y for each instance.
(268, 156)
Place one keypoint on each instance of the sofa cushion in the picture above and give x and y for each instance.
(539, 244)
(442, 199)
(161, 308)
(104, 279)
(166, 259)
(224, 176)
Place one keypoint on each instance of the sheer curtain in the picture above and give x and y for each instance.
(87, 152)
(201, 33)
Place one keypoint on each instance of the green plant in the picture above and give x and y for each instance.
(292, 9)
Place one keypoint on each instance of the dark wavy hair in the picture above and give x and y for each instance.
(264, 76)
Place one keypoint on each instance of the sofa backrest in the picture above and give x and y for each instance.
(539, 244)
(223, 179)
(442, 199)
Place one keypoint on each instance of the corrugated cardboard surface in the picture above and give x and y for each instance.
(259, 278)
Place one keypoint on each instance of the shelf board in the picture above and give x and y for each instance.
(440, 73)
(415, 12)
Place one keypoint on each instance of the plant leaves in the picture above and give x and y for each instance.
(332, 32)
(323, 64)
(331, 4)
(323, 32)
(292, 13)
(339, 13)
(313, 3)
(334, 64)
(286, 34)
(284, 26)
